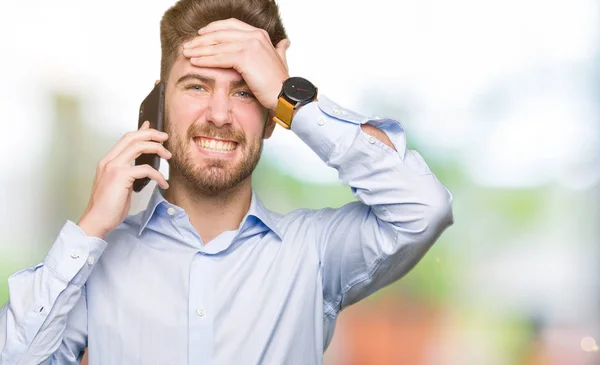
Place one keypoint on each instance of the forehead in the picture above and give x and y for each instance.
(182, 66)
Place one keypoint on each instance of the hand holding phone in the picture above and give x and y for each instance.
(115, 176)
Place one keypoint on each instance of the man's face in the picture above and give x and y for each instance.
(215, 126)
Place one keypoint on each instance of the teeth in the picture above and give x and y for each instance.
(213, 145)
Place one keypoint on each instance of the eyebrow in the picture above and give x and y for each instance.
(210, 81)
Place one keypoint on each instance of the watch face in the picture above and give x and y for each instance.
(299, 89)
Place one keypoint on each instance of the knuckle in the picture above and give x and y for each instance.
(265, 35)
(112, 173)
(110, 167)
(255, 43)
(257, 34)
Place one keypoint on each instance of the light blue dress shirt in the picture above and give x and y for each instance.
(267, 293)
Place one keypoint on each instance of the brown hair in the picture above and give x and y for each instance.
(183, 20)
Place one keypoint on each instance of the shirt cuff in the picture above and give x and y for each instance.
(74, 254)
(326, 127)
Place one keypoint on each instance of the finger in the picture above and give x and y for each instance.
(215, 49)
(142, 171)
(221, 36)
(281, 50)
(231, 23)
(144, 134)
(138, 148)
(147, 134)
(222, 60)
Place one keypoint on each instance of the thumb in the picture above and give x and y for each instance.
(281, 50)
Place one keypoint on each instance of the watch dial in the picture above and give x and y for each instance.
(299, 89)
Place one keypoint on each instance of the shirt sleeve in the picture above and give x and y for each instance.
(401, 210)
(45, 319)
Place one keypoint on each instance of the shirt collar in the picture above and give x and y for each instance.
(257, 209)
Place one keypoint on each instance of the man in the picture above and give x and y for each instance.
(206, 274)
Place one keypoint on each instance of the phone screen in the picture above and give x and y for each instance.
(152, 110)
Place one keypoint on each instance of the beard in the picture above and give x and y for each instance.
(217, 175)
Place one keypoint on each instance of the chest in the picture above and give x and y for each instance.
(158, 305)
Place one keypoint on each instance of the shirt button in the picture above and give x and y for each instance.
(171, 211)
(200, 312)
(74, 254)
(321, 121)
(337, 111)
(91, 260)
(372, 139)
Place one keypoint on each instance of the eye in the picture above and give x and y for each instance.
(245, 94)
(196, 87)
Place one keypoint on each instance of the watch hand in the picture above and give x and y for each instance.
(301, 89)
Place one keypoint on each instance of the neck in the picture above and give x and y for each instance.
(210, 213)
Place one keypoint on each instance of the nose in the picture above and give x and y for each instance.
(219, 110)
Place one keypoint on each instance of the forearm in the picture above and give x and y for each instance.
(42, 297)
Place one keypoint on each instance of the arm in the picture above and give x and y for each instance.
(45, 319)
(402, 207)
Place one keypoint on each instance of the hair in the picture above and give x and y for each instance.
(183, 20)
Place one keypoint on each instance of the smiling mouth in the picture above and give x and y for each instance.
(215, 145)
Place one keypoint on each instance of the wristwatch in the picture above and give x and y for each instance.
(295, 93)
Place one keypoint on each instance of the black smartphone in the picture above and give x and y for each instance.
(152, 110)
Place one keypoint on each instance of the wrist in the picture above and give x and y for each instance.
(90, 228)
(295, 93)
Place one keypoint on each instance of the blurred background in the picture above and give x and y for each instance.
(501, 97)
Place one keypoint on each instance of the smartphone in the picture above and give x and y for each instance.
(152, 110)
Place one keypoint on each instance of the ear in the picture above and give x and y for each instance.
(270, 125)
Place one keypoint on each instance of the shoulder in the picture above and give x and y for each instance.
(308, 220)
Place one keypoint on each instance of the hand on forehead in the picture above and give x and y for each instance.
(233, 44)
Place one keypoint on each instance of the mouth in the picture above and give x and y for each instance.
(215, 145)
